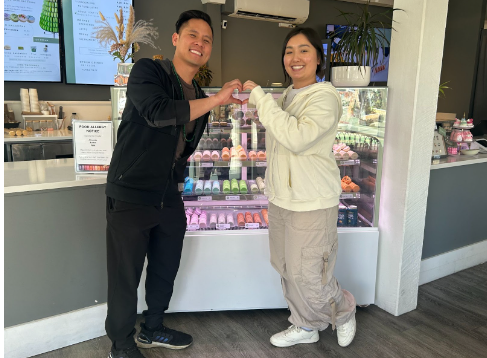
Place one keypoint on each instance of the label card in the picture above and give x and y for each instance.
(192, 227)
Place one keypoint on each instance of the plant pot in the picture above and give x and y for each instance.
(350, 76)
(123, 72)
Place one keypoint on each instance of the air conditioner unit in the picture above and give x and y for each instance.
(288, 11)
(385, 3)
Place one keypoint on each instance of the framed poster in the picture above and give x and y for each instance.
(93, 146)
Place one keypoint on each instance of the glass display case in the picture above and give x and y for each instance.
(225, 177)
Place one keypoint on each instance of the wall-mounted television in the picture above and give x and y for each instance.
(31, 41)
(380, 71)
(87, 62)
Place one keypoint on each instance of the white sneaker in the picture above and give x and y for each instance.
(346, 332)
(294, 335)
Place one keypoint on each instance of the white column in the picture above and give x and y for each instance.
(414, 75)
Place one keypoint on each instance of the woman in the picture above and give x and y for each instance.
(303, 187)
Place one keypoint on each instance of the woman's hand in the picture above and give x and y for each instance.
(249, 85)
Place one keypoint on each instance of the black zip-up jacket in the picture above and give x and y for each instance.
(143, 163)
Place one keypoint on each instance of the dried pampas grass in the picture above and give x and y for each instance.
(135, 33)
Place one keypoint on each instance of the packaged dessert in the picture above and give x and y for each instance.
(240, 220)
(265, 215)
(257, 219)
(248, 217)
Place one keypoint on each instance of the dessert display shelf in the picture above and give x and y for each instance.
(227, 172)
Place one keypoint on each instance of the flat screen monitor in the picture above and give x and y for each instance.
(380, 71)
(87, 62)
(31, 41)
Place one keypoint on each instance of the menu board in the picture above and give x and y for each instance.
(31, 41)
(87, 62)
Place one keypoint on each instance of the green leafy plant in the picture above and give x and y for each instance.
(442, 88)
(204, 76)
(360, 43)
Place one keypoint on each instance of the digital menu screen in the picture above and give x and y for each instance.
(87, 62)
(31, 41)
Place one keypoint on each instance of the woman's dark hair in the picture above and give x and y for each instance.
(192, 14)
(315, 41)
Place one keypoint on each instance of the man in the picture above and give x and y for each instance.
(164, 118)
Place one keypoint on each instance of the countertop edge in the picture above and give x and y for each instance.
(36, 139)
(52, 186)
(483, 159)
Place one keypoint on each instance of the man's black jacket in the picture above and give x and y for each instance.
(143, 166)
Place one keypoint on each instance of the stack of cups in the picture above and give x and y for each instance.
(24, 99)
(34, 100)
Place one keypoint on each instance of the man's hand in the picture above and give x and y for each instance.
(249, 85)
(225, 95)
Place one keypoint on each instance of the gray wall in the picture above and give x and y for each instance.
(455, 215)
(55, 259)
(464, 23)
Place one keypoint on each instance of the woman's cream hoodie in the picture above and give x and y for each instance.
(302, 174)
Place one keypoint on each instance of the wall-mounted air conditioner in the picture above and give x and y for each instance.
(287, 11)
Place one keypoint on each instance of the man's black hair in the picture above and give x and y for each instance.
(192, 14)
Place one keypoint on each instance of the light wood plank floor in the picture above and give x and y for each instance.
(450, 321)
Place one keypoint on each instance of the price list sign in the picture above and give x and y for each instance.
(92, 146)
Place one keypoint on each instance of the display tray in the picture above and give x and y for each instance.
(464, 127)
(201, 219)
(252, 163)
(10, 125)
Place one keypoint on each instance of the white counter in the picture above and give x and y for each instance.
(458, 160)
(42, 136)
(37, 175)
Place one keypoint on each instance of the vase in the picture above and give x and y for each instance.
(123, 72)
(350, 76)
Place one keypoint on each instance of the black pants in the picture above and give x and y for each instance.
(134, 231)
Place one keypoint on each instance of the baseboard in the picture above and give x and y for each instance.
(450, 262)
(55, 332)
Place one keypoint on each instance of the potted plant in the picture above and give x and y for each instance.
(123, 38)
(204, 76)
(356, 46)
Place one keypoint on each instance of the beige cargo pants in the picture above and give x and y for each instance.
(303, 248)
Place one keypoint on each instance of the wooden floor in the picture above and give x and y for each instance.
(450, 321)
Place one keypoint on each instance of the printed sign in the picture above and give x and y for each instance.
(93, 146)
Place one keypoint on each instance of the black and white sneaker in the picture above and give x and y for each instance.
(162, 337)
(132, 352)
